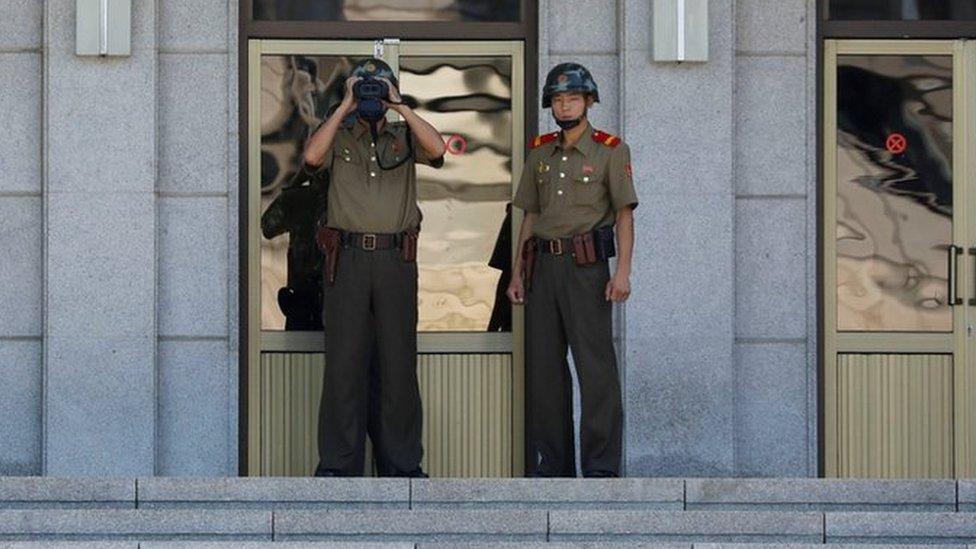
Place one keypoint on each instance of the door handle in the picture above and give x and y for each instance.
(972, 300)
(953, 264)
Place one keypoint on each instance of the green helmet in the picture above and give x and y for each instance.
(568, 77)
(375, 68)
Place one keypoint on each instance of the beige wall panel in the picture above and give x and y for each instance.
(894, 415)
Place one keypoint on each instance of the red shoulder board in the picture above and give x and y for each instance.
(541, 140)
(606, 139)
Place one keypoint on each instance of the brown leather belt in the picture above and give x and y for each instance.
(371, 241)
(555, 246)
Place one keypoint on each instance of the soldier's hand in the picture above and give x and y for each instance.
(516, 292)
(349, 100)
(394, 95)
(618, 288)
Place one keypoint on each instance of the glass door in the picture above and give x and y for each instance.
(896, 378)
(469, 338)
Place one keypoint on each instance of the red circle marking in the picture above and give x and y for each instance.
(896, 143)
(456, 144)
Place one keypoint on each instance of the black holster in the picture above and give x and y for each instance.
(603, 243)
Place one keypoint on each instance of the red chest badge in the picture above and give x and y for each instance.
(587, 170)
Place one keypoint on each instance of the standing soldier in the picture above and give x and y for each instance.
(370, 287)
(575, 186)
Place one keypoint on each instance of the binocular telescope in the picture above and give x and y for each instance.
(370, 93)
(370, 88)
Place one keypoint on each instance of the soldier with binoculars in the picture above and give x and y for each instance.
(370, 287)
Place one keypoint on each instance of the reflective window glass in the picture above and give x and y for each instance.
(387, 10)
(905, 10)
(465, 243)
(894, 192)
(296, 92)
(464, 255)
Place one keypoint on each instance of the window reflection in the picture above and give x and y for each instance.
(296, 91)
(464, 256)
(908, 10)
(387, 10)
(465, 244)
(894, 192)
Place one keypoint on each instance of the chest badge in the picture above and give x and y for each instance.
(543, 167)
(587, 172)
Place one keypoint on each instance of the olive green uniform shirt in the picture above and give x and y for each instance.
(365, 198)
(577, 189)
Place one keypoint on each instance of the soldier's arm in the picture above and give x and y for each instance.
(524, 234)
(429, 138)
(625, 240)
(516, 291)
(426, 135)
(623, 199)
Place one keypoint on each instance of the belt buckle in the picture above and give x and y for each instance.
(556, 247)
(369, 242)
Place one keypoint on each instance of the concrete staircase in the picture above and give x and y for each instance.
(170, 513)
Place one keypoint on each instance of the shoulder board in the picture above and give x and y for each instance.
(541, 140)
(606, 139)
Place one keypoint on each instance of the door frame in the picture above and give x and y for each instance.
(956, 343)
(525, 30)
(257, 341)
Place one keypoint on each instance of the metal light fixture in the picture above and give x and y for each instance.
(103, 27)
(680, 30)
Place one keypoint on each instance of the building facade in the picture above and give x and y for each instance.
(144, 330)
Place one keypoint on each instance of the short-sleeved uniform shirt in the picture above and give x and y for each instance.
(577, 189)
(364, 197)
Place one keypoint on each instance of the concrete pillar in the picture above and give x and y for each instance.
(100, 251)
(679, 321)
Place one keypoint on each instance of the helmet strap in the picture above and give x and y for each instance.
(570, 124)
(373, 130)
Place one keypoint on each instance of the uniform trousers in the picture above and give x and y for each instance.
(371, 309)
(565, 307)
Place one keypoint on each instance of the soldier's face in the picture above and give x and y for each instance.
(570, 105)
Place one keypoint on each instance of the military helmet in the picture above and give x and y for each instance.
(375, 68)
(568, 77)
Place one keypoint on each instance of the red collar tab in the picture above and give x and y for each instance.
(605, 138)
(541, 140)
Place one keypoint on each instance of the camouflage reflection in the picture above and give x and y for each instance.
(894, 209)
(469, 99)
(387, 10)
(297, 211)
(295, 92)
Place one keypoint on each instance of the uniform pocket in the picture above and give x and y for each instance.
(347, 161)
(544, 184)
(587, 190)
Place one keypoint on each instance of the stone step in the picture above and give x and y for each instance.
(690, 526)
(488, 525)
(134, 524)
(822, 495)
(577, 513)
(905, 528)
(456, 545)
(199, 545)
(412, 525)
(67, 493)
(273, 493)
(634, 493)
